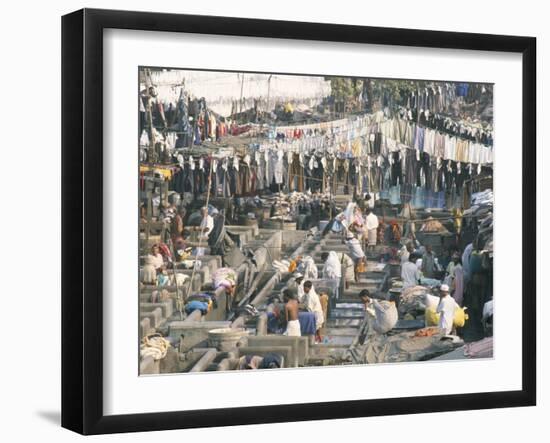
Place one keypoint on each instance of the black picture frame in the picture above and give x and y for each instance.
(82, 218)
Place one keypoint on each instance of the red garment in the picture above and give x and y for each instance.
(164, 250)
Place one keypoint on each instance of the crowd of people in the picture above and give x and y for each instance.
(461, 277)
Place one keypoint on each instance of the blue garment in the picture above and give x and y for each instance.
(419, 138)
(418, 200)
(439, 200)
(337, 226)
(271, 361)
(307, 323)
(462, 89)
(395, 195)
(196, 305)
(273, 325)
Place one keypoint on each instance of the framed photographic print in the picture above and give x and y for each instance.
(270, 221)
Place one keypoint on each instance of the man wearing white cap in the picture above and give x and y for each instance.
(446, 309)
(297, 286)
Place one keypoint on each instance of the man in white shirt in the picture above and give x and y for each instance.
(372, 228)
(446, 310)
(410, 274)
(207, 224)
(296, 284)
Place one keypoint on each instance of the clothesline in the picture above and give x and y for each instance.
(396, 134)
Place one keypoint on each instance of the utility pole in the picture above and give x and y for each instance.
(268, 91)
(241, 99)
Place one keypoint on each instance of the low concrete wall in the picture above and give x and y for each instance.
(299, 345)
(148, 366)
(194, 332)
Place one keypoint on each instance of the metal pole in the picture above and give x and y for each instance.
(268, 91)
(241, 99)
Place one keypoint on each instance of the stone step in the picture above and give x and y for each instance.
(167, 307)
(337, 340)
(154, 315)
(349, 305)
(344, 323)
(334, 314)
(344, 331)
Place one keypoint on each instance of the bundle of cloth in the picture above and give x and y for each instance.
(386, 316)
(413, 299)
(196, 305)
(154, 345)
(204, 297)
(283, 265)
(224, 277)
(179, 279)
(483, 198)
(433, 225)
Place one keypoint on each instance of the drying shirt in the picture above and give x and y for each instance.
(409, 274)
(446, 310)
(429, 141)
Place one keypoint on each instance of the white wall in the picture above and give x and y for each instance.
(221, 88)
(30, 178)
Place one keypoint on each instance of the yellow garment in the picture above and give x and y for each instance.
(458, 219)
(459, 320)
(292, 266)
(356, 147)
(289, 107)
(323, 298)
(166, 173)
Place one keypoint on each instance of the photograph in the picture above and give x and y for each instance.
(307, 220)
